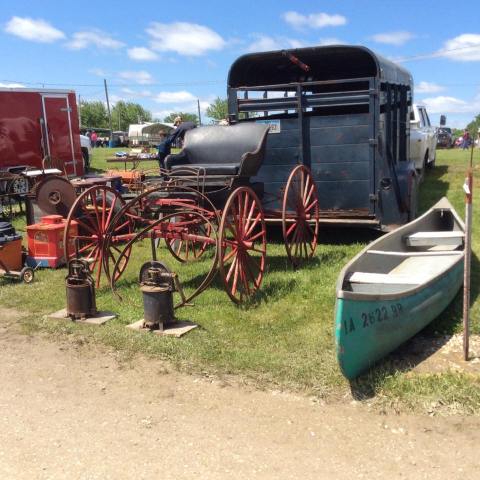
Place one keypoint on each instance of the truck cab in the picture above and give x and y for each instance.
(423, 139)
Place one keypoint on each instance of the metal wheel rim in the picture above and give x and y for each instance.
(142, 234)
(248, 226)
(299, 237)
(99, 227)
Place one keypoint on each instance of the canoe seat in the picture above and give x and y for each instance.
(383, 278)
(433, 239)
(411, 271)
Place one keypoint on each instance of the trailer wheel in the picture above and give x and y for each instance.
(27, 275)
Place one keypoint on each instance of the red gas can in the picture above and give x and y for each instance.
(45, 241)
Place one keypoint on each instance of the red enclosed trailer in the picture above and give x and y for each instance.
(40, 123)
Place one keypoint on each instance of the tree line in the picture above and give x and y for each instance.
(94, 114)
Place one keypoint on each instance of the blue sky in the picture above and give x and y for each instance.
(165, 55)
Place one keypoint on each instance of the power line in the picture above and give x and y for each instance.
(438, 53)
(167, 84)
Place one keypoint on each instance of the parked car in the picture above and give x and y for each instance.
(445, 137)
(423, 139)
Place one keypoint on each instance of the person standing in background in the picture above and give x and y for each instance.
(93, 139)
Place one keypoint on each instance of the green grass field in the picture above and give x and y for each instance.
(286, 338)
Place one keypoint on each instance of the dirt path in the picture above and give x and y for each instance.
(71, 412)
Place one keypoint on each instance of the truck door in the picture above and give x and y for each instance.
(58, 130)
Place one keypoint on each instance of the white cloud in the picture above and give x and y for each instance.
(142, 77)
(99, 72)
(264, 43)
(464, 48)
(428, 87)
(163, 113)
(444, 104)
(393, 38)
(174, 97)
(142, 54)
(184, 38)
(36, 30)
(137, 93)
(12, 85)
(93, 38)
(330, 41)
(313, 20)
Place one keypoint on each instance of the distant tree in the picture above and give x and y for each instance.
(94, 114)
(473, 127)
(187, 117)
(218, 110)
(126, 113)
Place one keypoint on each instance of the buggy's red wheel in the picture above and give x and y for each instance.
(89, 222)
(189, 249)
(242, 244)
(166, 226)
(300, 216)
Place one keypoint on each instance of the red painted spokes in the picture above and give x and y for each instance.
(300, 216)
(242, 244)
(191, 248)
(89, 221)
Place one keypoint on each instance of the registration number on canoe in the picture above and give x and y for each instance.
(379, 315)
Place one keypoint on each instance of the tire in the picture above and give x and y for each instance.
(86, 160)
(430, 165)
(413, 201)
(27, 275)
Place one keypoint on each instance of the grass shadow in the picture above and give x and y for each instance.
(403, 359)
(433, 188)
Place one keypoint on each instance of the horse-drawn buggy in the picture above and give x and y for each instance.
(204, 199)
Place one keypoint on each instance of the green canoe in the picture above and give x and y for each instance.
(396, 286)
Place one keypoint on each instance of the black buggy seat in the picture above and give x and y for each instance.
(221, 151)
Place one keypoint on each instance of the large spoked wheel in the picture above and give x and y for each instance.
(191, 248)
(242, 244)
(165, 226)
(300, 216)
(89, 222)
(162, 201)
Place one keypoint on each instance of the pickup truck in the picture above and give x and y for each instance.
(423, 139)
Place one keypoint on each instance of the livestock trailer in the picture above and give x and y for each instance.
(39, 128)
(342, 111)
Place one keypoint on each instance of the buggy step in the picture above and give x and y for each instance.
(432, 239)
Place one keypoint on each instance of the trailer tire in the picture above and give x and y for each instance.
(27, 275)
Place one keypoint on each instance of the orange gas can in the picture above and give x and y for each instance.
(45, 241)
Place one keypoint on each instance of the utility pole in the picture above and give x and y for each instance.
(79, 110)
(199, 114)
(110, 143)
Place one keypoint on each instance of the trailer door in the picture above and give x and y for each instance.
(58, 129)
